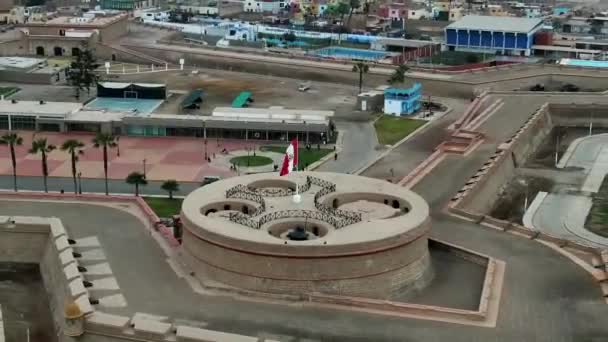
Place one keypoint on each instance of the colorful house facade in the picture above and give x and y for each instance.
(400, 101)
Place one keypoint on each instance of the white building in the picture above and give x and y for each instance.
(264, 6)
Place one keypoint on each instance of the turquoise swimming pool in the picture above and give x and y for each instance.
(584, 63)
(135, 106)
(347, 53)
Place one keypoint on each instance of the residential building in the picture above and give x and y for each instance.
(63, 36)
(399, 101)
(420, 13)
(561, 11)
(205, 7)
(263, 6)
(15, 15)
(128, 5)
(397, 11)
(502, 35)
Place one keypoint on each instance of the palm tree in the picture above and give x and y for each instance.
(137, 179)
(74, 148)
(398, 75)
(41, 146)
(12, 140)
(361, 68)
(170, 186)
(105, 141)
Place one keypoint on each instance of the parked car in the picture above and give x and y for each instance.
(569, 87)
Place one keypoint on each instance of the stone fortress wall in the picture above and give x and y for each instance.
(45, 241)
(372, 258)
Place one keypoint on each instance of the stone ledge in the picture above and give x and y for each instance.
(61, 243)
(189, 334)
(106, 323)
(77, 288)
(84, 304)
(71, 272)
(150, 329)
(67, 257)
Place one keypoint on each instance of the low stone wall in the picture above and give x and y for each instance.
(397, 308)
(153, 219)
(58, 267)
(482, 190)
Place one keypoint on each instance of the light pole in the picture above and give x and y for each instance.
(557, 146)
(525, 184)
(206, 157)
(144, 162)
(247, 148)
(80, 183)
(118, 146)
(591, 123)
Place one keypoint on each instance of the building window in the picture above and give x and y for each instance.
(413, 13)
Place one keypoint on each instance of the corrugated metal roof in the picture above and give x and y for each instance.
(489, 23)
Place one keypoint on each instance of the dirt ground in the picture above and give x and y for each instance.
(25, 307)
(510, 205)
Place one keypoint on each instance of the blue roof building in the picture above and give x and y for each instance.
(486, 34)
(398, 101)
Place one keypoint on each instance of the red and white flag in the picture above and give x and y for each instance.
(290, 161)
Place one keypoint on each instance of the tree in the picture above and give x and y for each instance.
(137, 179)
(170, 186)
(471, 58)
(398, 75)
(361, 68)
(82, 74)
(12, 140)
(289, 37)
(105, 141)
(42, 146)
(352, 4)
(74, 148)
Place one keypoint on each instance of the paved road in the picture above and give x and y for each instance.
(358, 147)
(408, 155)
(91, 185)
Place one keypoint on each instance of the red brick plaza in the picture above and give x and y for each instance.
(177, 158)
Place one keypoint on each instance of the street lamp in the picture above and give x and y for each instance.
(591, 123)
(525, 184)
(118, 146)
(144, 162)
(80, 183)
(206, 156)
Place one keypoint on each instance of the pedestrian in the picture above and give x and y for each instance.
(318, 147)
(336, 156)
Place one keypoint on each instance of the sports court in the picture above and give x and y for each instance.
(134, 98)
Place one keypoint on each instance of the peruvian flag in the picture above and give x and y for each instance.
(290, 161)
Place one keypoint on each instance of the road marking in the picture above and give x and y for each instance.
(99, 269)
(90, 241)
(113, 301)
(94, 254)
(109, 283)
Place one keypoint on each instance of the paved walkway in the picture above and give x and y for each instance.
(163, 158)
(564, 215)
(568, 299)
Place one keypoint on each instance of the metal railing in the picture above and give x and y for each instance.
(335, 217)
(242, 192)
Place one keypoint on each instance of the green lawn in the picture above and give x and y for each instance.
(597, 219)
(457, 58)
(246, 161)
(305, 157)
(164, 207)
(7, 91)
(391, 129)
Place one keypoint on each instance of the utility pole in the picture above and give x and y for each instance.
(556, 146)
